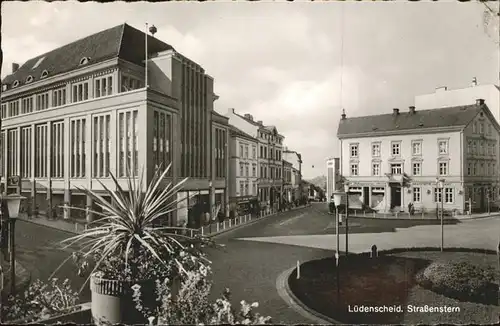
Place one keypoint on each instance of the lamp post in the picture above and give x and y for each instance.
(440, 183)
(13, 203)
(346, 190)
(337, 197)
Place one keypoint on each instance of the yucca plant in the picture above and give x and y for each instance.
(125, 242)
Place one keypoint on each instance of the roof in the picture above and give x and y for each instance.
(456, 116)
(255, 123)
(238, 132)
(122, 41)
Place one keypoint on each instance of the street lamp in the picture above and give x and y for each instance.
(13, 204)
(346, 190)
(440, 183)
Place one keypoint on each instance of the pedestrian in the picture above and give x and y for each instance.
(410, 206)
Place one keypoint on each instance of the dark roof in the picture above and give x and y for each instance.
(248, 120)
(443, 117)
(238, 132)
(121, 41)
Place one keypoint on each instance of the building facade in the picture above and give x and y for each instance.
(270, 155)
(295, 159)
(395, 159)
(243, 171)
(74, 116)
(333, 180)
(288, 190)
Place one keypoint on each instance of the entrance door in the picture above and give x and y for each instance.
(366, 196)
(395, 196)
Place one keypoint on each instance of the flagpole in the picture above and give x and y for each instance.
(146, 56)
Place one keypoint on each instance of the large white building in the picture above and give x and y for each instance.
(393, 159)
(444, 97)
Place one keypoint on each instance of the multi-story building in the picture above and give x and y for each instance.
(333, 180)
(243, 170)
(288, 190)
(393, 159)
(296, 171)
(270, 157)
(444, 97)
(79, 113)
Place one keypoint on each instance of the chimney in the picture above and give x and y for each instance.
(395, 111)
(474, 82)
(343, 114)
(248, 116)
(479, 101)
(259, 122)
(441, 89)
(412, 109)
(15, 67)
(230, 110)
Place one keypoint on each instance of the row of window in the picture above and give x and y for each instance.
(270, 153)
(80, 91)
(397, 169)
(38, 148)
(449, 195)
(416, 148)
(270, 172)
(220, 150)
(244, 169)
(244, 151)
(272, 138)
(481, 168)
(481, 147)
(482, 127)
(245, 189)
(162, 139)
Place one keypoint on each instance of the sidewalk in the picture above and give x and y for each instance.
(76, 227)
(425, 216)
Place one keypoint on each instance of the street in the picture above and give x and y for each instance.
(255, 255)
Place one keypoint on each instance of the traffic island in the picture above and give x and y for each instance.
(402, 286)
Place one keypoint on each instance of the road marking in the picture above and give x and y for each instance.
(292, 219)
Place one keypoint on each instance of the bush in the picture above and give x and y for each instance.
(460, 280)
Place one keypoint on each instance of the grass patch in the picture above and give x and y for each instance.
(392, 280)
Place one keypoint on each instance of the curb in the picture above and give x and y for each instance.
(47, 226)
(286, 294)
(214, 234)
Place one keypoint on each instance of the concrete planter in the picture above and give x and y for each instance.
(112, 301)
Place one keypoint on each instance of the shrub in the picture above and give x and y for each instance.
(460, 280)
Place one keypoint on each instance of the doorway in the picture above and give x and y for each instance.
(395, 197)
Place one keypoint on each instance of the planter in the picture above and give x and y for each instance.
(112, 301)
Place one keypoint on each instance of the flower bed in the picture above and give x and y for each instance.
(390, 281)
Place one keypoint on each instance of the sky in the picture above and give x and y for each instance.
(291, 65)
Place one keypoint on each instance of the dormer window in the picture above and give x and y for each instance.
(15, 83)
(84, 60)
(4, 87)
(45, 73)
(29, 79)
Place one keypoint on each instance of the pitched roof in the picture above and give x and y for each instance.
(238, 132)
(121, 41)
(443, 117)
(249, 120)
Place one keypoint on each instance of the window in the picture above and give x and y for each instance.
(78, 148)
(59, 97)
(57, 150)
(42, 101)
(396, 148)
(241, 188)
(469, 168)
(241, 169)
(481, 128)
(41, 151)
(417, 194)
(3, 145)
(45, 73)
(29, 79)
(246, 188)
(437, 195)
(416, 148)
(376, 149)
(101, 149)
(162, 139)
(416, 168)
(13, 108)
(26, 146)
(27, 105)
(443, 168)
(15, 83)
(396, 168)
(246, 170)
(241, 150)
(128, 139)
(469, 147)
(129, 83)
(12, 150)
(354, 169)
(254, 152)
(3, 113)
(443, 146)
(474, 127)
(488, 129)
(448, 195)
(254, 170)
(375, 169)
(103, 86)
(354, 150)
(474, 169)
(84, 60)
(80, 92)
